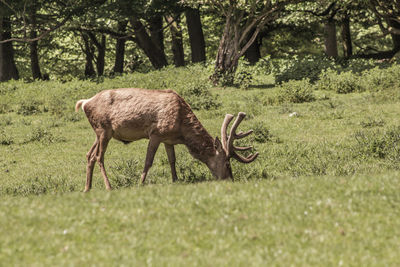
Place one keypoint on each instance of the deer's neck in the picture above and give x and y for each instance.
(196, 138)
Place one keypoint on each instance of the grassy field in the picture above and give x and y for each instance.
(324, 190)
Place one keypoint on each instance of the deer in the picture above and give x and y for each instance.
(162, 116)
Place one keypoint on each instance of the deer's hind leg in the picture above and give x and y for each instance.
(104, 137)
(152, 147)
(91, 160)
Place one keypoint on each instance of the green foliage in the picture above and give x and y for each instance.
(262, 134)
(199, 96)
(5, 121)
(5, 139)
(383, 145)
(372, 122)
(342, 83)
(125, 173)
(191, 171)
(378, 79)
(296, 91)
(56, 106)
(314, 68)
(29, 107)
(243, 79)
(299, 69)
(42, 135)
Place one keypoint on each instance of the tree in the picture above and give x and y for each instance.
(196, 36)
(176, 39)
(34, 20)
(387, 14)
(243, 22)
(120, 48)
(8, 69)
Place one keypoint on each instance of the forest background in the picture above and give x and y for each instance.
(51, 39)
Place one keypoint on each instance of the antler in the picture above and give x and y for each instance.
(227, 141)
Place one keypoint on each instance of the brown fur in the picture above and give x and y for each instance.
(131, 114)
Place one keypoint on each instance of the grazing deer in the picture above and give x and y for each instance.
(162, 116)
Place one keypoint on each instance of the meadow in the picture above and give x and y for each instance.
(324, 190)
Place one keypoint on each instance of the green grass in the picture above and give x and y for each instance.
(323, 221)
(324, 190)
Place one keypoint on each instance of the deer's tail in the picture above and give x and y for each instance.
(79, 104)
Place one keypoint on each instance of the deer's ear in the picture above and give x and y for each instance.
(218, 145)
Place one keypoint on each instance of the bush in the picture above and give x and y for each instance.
(377, 79)
(5, 139)
(311, 67)
(384, 145)
(29, 107)
(342, 83)
(199, 97)
(44, 136)
(243, 79)
(262, 134)
(192, 171)
(306, 68)
(56, 106)
(125, 173)
(296, 92)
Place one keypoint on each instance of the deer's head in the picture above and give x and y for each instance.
(225, 150)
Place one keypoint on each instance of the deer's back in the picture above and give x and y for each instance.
(133, 113)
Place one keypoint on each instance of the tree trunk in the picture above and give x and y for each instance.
(396, 45)
(395, 37)
(153, 52)
(33, 46)
(101, 49)
(156, 31)
(330, 38)
(88, 50)
(346, 37)
(177, 43)
(235, 42)
(227, 59)
(253, 54)
(120, 49)
(8, 69)
(196, 37)
(35, 67)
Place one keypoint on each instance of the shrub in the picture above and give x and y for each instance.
(125, 173)
(5, 139)
(192, 171)
(6, 120)
(243, 79)
(29, 107)
(296, 92)
(262, 134)
(384, 145)
(371, 122)
(44, 136)
(306, 68)
(342, 83)
(56, 106)
(4, 105)
(199, 97)
(377, 79)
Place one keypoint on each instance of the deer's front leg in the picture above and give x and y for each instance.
(171, 158)
(151, 151)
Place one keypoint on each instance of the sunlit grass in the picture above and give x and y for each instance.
(322, 192)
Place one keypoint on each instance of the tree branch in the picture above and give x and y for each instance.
(41, 36)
